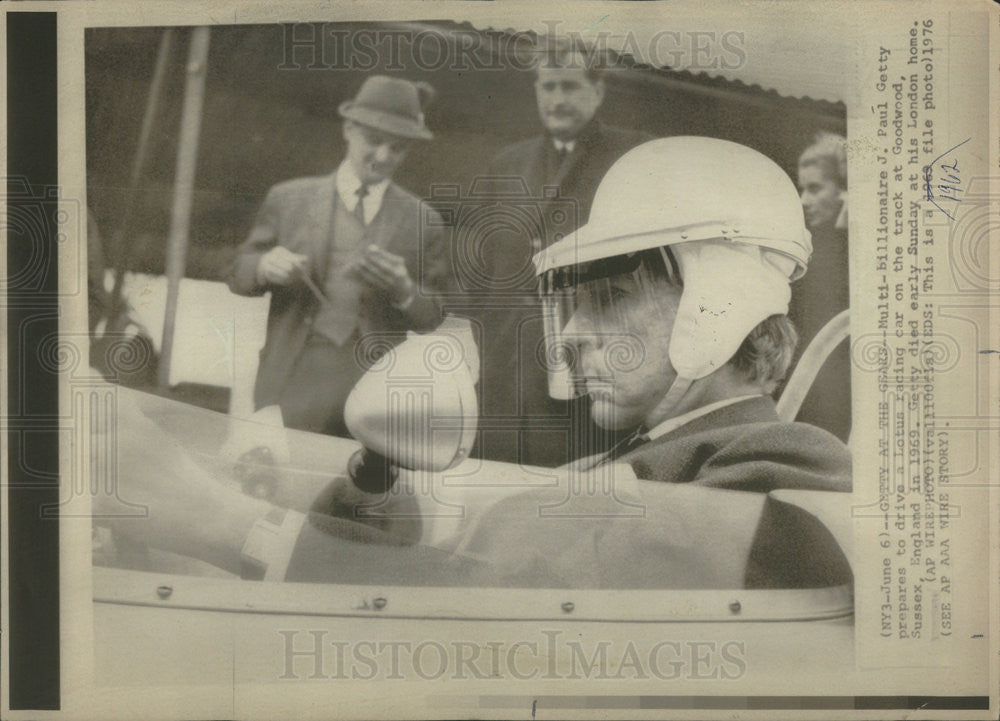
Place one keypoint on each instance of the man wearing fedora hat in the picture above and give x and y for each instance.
(347, 260)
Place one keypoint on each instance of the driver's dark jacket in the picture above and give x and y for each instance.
(742, 447)
(745, 447)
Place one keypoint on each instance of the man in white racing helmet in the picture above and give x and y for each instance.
(668, 310)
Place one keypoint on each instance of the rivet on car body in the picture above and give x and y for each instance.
(568, 606)
(164, 591)
(735, 607)
(379, 603)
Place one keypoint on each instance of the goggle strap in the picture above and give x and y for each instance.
(670, 263)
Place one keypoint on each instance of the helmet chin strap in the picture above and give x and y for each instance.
(678, 389)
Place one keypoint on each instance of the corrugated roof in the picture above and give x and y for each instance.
(775, 50)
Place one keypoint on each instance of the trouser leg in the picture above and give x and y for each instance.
(313, 398)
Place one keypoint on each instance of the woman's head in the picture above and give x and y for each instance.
(823, 180)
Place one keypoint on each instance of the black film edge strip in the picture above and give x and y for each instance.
(32, 390)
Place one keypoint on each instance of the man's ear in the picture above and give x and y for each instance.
(600, 88)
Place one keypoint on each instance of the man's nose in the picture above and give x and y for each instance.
(557, 96)
(579, 331)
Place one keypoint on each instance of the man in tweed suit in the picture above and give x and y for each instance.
(348, 261)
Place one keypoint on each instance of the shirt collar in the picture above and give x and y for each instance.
(347, 187)
(560, 145)
(672, 424)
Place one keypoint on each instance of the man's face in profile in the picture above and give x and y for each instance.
(567, 98)
(821, 197)
(374, 154)
(623, 351)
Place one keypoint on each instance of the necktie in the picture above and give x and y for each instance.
(555, 165)
(359, 208)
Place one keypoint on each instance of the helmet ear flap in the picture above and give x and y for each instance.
(714, 317)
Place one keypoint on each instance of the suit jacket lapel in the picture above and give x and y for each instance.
(534, 170)
(386, 225)
(321, 218)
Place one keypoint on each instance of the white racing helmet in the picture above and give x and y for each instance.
(716, 217)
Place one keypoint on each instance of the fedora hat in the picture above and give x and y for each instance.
(390, 104)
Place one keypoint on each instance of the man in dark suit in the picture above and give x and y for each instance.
(558, 172)
(340, 255)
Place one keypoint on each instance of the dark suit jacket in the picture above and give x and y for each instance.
(514, 382)
(742, 450)
(533, 162)
(745, 447)
(298, 214)
(817, 297)
(597, 148)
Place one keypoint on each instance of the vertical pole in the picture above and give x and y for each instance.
(180, 217)
(123, 249)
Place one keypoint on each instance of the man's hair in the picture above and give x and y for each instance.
(828, 152)
(766, 353)
(564, 56)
